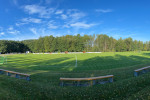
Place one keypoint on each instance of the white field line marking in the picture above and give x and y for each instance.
(76, 61)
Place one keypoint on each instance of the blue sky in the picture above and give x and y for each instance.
(30, 19)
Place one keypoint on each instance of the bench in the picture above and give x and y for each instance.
(141, 70)
(91, 80)
(16, 74)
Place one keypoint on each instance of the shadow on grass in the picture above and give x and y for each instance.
(20, 65)
(146, 54)
(85, 68)
(95, 63)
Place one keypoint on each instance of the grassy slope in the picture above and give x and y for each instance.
(47, 69)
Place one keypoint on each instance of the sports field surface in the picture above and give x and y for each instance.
(46, 69)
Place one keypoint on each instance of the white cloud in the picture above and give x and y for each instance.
(15, 2)
(2, 33)
(66, 26)
(73, 16)
(103, 10)
(52, 25)
(32, 20)
(63, 16)
(13, 31)
(59, 12)
(82, 25)
(69, 11)
(42, 11)
(77, 15)
(28, 20)
(20, 23)
(10, 28)
(33, 30)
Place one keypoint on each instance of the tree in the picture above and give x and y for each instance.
(128, 43)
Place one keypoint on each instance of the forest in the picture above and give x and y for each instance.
(76, 43)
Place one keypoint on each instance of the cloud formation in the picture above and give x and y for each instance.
(42, 11)
(29, 20)
(32, 20)
(82, 25)
(59, 12)
(13, 31)
(63, 16)
(52, 24)
(43, 17)
(33, 30)
(104, 10)
(2, 33)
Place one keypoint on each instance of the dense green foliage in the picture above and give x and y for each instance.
(12, 46)
(98, 43)
(46, 70)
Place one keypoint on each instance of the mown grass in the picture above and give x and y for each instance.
(46, 70)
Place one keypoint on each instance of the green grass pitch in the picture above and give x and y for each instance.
(46, 69)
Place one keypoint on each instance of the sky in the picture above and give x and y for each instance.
(31, 19)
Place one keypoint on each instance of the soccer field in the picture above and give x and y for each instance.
(46, 69)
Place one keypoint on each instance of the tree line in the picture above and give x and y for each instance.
(78, 43)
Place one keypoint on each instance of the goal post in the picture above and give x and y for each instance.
(3, 60)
